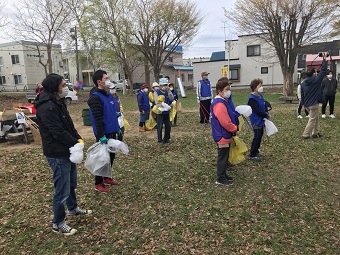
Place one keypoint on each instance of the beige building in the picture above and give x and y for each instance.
(20, 67)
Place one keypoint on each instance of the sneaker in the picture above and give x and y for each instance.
(79, 211)
(102, 189)
(110, 182)
(167, 141)
(332, 116)
(323, 116)
(225, 183)
(255, 158)
(65, 230)
(299, 117)
(229, 178)
(142, 130)
(318, 135)
(307, 116)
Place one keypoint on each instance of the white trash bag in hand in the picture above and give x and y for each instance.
(164, 107)
(115, 146)
(270, 127)
(98, 160)
(245, 110)
(77, 154)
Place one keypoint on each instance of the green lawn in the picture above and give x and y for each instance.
(167, 201)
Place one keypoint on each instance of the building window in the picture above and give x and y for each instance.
(15, 59)
(264, 70)
(190, 77)
(2, 80)
(17, 79)
(1, 61)
(235, 74)
(253, 50)
(183, 77)
(303, 56)
(171, 59)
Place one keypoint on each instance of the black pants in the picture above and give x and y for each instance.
(255, 145)
(163, 119)
(300, 108)
(330, 100)
(205, 111)
(99, 179)
(222, 163)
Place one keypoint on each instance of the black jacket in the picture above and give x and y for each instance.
(329, 86)
(55, 125)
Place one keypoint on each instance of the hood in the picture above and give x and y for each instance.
(309, 80)
(44, 97)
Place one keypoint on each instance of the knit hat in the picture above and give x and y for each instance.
(144, 86)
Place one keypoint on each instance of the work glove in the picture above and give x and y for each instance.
(81, 141)
(118, 114)
(120, 132)
(103, 140)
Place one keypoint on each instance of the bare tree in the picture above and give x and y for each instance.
(41, 21)
(3, 18)
(336, 22)
(285, 25)
(160, 26)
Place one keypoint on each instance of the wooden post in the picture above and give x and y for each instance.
(25, 133)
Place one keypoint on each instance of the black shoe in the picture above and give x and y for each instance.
(225, 183)
(318, 135)
(229, 178)
(167, 141)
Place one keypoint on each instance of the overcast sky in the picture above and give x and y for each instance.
(211, 34)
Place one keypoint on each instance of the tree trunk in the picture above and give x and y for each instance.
(288, 82)
(49, 58)
(147, 72)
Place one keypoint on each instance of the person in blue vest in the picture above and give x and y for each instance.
(143, 107)
(164, 117)
(223, 126)
(104, 120)
(204, 97)
(174, 93)
(118, 107)
(260, 112)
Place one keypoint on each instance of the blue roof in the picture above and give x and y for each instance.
(217, 56)
(184, 68)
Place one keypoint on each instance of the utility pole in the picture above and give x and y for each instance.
(229, 45)
(74, 30)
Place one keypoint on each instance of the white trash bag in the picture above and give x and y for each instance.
(165, 107)
(115, 146)
(270, 127)
(77, 154)
(121, 121)
(245, 110)
(98, 160)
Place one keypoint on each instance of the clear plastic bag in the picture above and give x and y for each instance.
(270, 127)
(98, 160)
(121, 121)
(77, 154)
(115, 146)
(245, 110)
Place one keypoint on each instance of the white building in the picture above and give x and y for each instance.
(20, 67)
(249, 57)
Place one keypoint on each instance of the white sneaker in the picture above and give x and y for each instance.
(307, 116)
(299, 117)
(332, 116)
(323, 116)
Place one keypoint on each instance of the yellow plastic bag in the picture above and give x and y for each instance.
(241, 123)
(237, 148)
(156, 110)
(151, 122)
(178, 106)
(173, 111)
(126, 123)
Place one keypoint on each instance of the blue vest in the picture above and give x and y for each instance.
(205, 88)
(145, 100)
(110, 121)
(174, 93)
(217, 130)
(232, 107)
(166, 98)
(254, 118)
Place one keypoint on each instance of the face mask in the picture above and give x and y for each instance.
(64, 92)
(329, 76)
(206, 77)
(171, 89)
(260, 90)
(145, 90)
(113, 91)
(163, 88)
(227, 94)
(107, 84)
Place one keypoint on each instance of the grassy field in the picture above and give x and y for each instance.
(167, 201)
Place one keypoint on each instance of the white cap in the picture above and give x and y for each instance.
(155, 84)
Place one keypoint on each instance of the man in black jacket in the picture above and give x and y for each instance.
(58, 136)
(329, 86)
(104, 120)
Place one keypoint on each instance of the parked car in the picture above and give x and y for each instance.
(119, 85)
(137, 86)
(72, 94)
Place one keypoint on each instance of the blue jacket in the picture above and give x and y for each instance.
(256, 119)
(205, 88)
(110, 121)
(174, 92)
(166, 99)
(217, 130)
(143, 101)
(311, 90)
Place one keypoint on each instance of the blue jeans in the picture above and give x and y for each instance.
(65, 182)
(163, 119)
